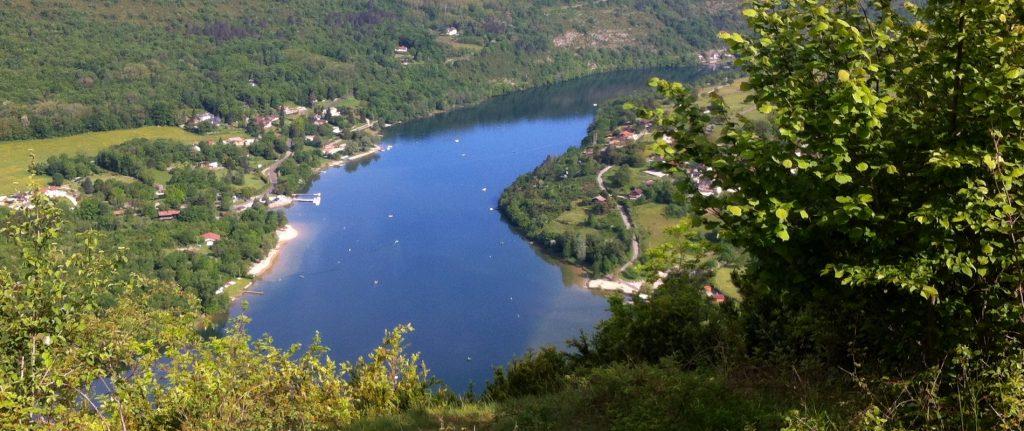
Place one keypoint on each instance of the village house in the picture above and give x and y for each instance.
(635, 194)
(332, 111)
(451, 31)
(332, 148)
(239, 141)
(402, 49)
(210, 238)
(266, 121)
(599, 199)
(204, 117)
(54, 192)
(168, 214)
(295, 110)
(16, 201)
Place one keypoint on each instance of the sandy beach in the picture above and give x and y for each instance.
(285, 234)
(354, 157)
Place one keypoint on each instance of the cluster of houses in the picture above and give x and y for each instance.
(21, 201)
(701, 177)
(623, 136)
(635, 194)
(715, 57)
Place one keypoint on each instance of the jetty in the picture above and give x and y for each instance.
(309, 197)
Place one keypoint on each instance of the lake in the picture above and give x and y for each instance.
(414, 236)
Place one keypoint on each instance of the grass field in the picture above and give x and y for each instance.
(651, 218)
(723, 282)
(572, 220)
(734, 98)
(14, 164)
(236, 290)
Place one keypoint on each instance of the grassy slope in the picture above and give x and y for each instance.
(14, 164)
(621, 397)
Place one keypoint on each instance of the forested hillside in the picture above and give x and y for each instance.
(74, 66)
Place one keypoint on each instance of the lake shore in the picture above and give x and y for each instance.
(352, 158)
(285, 234)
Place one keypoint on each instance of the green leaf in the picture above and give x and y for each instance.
(783, 234)
(735, 210)
(844, 75)
(749, 13)
(787, 163)
(989, 161)
(842, 178)
(862, 166)
(1014, 73)
(804, 215)
(929, 292)
(782, 213)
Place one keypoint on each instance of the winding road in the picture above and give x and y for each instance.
(626, 220)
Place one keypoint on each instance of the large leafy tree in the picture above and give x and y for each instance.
(882, 216)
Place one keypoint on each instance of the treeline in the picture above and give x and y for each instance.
(241, 59)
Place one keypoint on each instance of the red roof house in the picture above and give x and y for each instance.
(168, 214)
(210, 238)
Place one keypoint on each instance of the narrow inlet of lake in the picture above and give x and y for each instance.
(414, 236)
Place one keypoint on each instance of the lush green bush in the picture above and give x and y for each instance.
(537, 372)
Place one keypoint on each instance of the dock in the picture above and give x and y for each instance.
(313, 197)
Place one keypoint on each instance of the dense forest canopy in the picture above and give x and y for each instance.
(77, 66)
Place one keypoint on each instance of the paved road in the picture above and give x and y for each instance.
(271, 172)
(626, 220)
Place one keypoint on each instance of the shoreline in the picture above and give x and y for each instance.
(347, 159)
(284, 234)
(288, 232)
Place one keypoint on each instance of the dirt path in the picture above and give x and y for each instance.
(626, 220)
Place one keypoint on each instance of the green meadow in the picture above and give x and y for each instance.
(17, 155)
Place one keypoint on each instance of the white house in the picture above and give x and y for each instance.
(451, 31)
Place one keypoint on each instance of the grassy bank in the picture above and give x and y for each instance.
(14, 164)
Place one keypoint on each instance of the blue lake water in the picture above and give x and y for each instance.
(414, 236)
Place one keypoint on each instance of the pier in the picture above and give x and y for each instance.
(313, 197)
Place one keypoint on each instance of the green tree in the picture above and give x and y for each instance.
(882, 215)
(67, 319)
(88, 187)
